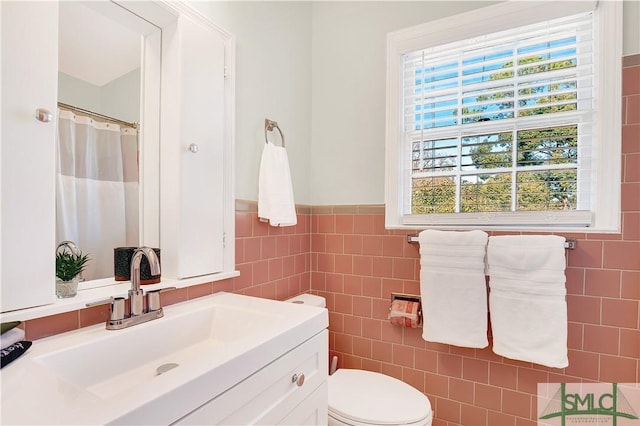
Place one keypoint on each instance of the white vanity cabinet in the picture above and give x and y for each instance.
(275, 394)
(193, 162)
(29, 46)
(232, 357)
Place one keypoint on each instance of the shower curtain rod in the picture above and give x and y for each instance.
(96, 115)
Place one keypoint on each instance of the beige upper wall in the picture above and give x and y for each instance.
(273, 67)
(348, 93)
(318, 68)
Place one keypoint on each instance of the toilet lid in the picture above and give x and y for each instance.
(374, 398)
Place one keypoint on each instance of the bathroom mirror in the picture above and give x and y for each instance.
(104, 164)
(29, 199)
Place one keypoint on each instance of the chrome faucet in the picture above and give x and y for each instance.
(136, 295)
(137, 314)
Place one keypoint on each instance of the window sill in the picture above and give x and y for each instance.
(574, 221)
(508, 228)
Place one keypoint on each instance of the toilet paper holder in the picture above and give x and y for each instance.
(409, 298)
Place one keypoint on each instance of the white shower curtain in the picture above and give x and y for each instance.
(96, 188)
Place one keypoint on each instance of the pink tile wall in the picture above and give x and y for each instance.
(357, 264)
(274, 263)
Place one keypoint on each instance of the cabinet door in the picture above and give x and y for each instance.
(202, 119)
(29, 47)
(192, 149)
(271, 396)
(312, 411)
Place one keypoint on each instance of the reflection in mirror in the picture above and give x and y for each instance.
(97, 173)
(96, 188)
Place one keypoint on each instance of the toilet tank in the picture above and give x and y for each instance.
(309, 299)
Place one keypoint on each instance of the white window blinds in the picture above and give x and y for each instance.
(501, 122)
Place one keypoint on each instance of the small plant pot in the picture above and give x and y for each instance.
(66, 289)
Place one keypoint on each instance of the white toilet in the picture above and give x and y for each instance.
(359, 397)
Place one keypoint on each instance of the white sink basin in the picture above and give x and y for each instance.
(119, 361)
(99, 376)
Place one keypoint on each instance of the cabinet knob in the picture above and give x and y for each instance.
(193, 148)
(43, 115)
(298, 379)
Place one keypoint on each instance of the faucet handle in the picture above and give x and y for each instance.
(116, 312)
(99, 302)
(116, 309)
(153, 298)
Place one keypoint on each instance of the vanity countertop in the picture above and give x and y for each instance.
(96, 376)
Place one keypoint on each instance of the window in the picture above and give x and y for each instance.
(503, 117)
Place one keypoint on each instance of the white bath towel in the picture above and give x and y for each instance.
(453, 287)
(527, 298)
(275, 191)
(10, 337)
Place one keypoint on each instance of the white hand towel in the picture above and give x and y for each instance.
(10, 337)
(527, 298)
(275, 191)
(453, 287)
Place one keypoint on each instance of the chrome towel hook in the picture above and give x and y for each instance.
(269, 125)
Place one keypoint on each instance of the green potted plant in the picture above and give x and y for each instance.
(68, 268)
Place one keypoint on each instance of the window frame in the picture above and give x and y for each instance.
(604, 215)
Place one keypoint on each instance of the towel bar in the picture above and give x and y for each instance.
(570, 243)
(269, 125)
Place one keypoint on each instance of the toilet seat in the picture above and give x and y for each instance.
(358, 397)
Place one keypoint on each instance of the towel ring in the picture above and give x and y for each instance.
(269, 125)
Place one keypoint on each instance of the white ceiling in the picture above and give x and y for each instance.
(95, 48)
